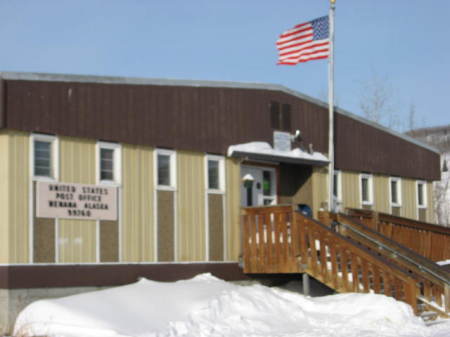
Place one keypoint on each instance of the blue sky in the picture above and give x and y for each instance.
(405, 43)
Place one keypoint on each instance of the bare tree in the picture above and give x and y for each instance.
(441, 209)
(412, 117)
(323, 96)
(377, 102)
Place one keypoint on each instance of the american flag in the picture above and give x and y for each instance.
(305, 42)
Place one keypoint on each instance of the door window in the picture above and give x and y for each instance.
(268, 187)
(258, 186)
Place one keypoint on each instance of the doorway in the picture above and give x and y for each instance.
(258, 186)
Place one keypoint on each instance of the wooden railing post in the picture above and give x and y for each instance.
(375, 220)
(411, 293)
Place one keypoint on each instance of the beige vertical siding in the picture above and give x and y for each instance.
(320, 189)
(19, 196)
(190, 207)
(381, 194)
(232, 209)
(350, 190)
(77, 239)
(4, 197)
(138, 241)
(409, 202)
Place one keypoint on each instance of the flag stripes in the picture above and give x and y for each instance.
(305, 42)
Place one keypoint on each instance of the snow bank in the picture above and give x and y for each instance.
(266, 149)
(206, 306)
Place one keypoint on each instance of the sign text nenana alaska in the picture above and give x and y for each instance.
(76, 201)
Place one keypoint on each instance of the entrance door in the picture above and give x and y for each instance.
(258, 186)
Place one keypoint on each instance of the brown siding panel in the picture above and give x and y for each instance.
(2, 104)
(395, 211)
(109, 241)
(44, 240)
(88, 275)
(215, 212)
(166, 225)
(203, 119)
(186, 118)
(44, 237)
(360, 147)
(423, 214)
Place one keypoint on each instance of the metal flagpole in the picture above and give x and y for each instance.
(332, 202)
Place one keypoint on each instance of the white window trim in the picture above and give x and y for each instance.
(173, 176)
(221, 160)
(369, 177)
(339, 182)
(54, 159)
(425, 194)
(399, 192)
(117, 148)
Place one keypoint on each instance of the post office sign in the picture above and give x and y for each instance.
(75, 201)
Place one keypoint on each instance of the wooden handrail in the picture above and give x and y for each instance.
(431, 241)
(397, 219)
(341, 264)
(432, 279)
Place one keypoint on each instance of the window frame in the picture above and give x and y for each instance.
(117, 163)
(399, 202)
(425, 194)
(54, 159)
(221, 175)
(369, 178)
(172, 169)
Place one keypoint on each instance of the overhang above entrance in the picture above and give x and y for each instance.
(262, 151)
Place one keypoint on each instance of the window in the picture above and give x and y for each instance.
(421, 194)
(44, 157)
(366, 189)
(268, 187)
(165, 169)
(109, 163)
(337, 187)
(215, 173)
(106, 164)
(280, 119)
(395, 191)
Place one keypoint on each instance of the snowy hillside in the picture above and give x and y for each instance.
(439, 137)
(209, 307)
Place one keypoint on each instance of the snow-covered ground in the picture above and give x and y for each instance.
(207, 306)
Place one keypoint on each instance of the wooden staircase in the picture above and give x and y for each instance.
(343, 253)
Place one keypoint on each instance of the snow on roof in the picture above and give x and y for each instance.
(265, 151)
(209, 307)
